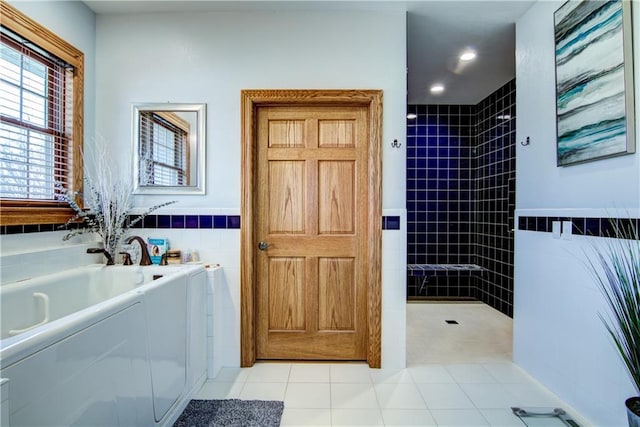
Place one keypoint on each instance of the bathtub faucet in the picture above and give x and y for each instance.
(101, 251)
(144, 257)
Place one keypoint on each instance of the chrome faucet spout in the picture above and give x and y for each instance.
(101, 251)
(144, 258)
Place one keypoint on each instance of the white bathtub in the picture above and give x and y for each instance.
(103, 345)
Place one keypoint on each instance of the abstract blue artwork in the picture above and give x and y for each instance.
(594, 80)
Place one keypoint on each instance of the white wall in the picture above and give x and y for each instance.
(558, 337)
(606, 183)
(210, 57)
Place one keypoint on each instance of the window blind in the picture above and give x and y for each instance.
(163, 149)
(36, 113)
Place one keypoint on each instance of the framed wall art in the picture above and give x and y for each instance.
(594, 80)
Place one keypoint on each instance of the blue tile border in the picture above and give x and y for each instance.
(601, 227)
(177, 221)
(233, 221)
(205, 221)
(219, 221)
(170, 221)
(589, 226)
(150, 221)
(391, 223)
(191, 222)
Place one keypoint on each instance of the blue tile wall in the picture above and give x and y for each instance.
(460, 196)
(439, 184)
(439, 195)
(494, 197)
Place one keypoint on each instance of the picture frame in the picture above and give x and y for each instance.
(594, 81)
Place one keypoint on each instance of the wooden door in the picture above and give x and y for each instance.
(312, 205)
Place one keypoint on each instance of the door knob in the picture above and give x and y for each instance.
(263, 245)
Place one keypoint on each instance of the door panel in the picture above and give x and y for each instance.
(286, 133)
(286, 197)
(336, 198)
(336, 133)
(286, 294)
(337, 294)
(311, 290)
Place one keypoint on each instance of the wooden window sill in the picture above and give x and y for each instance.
(27, 215)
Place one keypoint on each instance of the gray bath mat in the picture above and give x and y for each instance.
(231, 413)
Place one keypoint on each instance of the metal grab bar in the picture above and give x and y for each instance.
(45, 300)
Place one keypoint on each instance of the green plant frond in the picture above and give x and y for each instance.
(616, 269)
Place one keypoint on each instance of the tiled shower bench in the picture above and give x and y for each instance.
(427, 270)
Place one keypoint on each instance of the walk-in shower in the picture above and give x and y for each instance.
(461, 199)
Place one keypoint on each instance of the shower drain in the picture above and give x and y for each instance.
(452, 322)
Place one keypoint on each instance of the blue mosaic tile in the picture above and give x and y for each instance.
(47, 227)
(150, 221)
(391, 223)
(15, 229)
(233, 221)
(607, 227)
(177, 221)
(578, 226)
(219, 221)
(164, 221)
(191, 221)
(541, 224)
(206, 221)
(31, 228)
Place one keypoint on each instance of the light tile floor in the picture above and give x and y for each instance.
(447, 390)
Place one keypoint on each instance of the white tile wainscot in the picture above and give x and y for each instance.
(214, 321)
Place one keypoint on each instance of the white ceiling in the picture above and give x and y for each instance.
(437, 31)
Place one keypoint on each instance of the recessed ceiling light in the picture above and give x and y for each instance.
(468, 55)
(411, 116)
(437, 88)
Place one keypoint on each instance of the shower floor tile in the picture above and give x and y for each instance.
(482, 333)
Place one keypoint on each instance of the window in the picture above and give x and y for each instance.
(163, 149)
(41, 80)
(35, 131)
